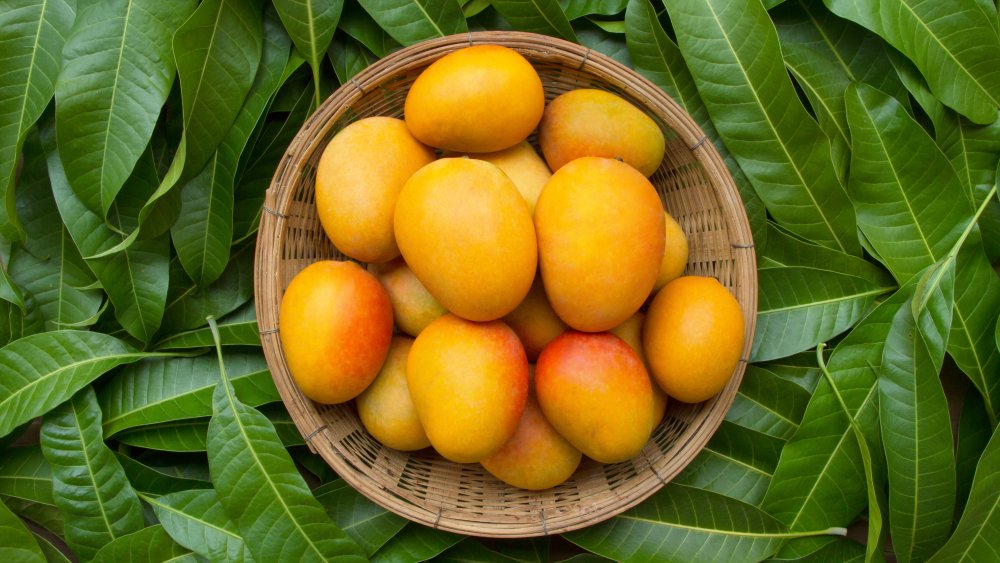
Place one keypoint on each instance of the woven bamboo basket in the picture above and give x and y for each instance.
(696, 189)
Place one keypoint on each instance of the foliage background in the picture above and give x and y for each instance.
(138, 137)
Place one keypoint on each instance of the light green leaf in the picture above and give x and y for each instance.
(768, 403)
(188, 305)
(238, 328)
(268, 500)
(152, 481)
(800, 307)
(25, 474)
(974, 432)
(367, 523)
(656, 56)
(579, 8)
(163, 390)
(977, 536)
(358, 24)
(416, 543)
(33, 34)
(89, 485)
(311, 24)
(682, 523)
(784, 249)
(955, 46)
(148, 545)
(732, 51)
(40, 371)
(737, 462)
(410, 21)
(116, 75)
(18, 543)
(537, 16)
(197, 521)
(800, 369)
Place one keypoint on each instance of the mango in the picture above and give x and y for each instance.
(630, 332)
(600, 228)
(467, 234)
(534, 321)
(675, 253)
(413, 307)
(523, 166)
(469, 384)
(385, 407)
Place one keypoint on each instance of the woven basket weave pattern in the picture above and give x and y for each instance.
(697, 191)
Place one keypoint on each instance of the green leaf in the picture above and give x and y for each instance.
(682, 523)
(348, 57)
(238, 328)
(46, 516)
(416, 543)
(591, 35)
(410, 21)
(974, 432)
(89, 485)
(367, 523)
(972, 149)
(152, 481)
(574, 9)
(473, 551)
(657, 57)
(737, 462)
(33, 34)
(537, 16)
(311, 24)
(977, 536)
(261, 489)
(955, 46)
(910, 203)
(784, 250)
(732, 51)
(358, 24)
(197, 521)
(9, 291)
(801, 307)
(135, 279)
(188, 435)
(821, 550)
(52, 553)
(15, 323)
(40, 371)
(768, 403)
(18, 543)
(800, 369)
(148, 545)
(188, 305)
(25, 474)
(170, 389)
(116, 75)
(217, 50)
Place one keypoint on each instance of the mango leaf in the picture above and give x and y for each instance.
(732, 51)
(311, 24)
(410, 21)
(538, 16)
(270, 503)
(820, 478)
(800, 307)
(9, 291)
(972, 149)
(800, 369)
(188, 304)
(348, 57)
(768, 404)
(784, 249)
(203, 232)
(152, 481)
(657, 57)
(934, 111)
(681, 523)
(910, 203)
(46, 516)
(188, 435)
(33, 34)
(89, 485)
(18, 543)
(238, 328)
(218, 50)
(977, 536)
(148, 545)
(737, 462)
(358, 24)
(367, 523)
(955, 47)
(820, 549)
(164, 390)
(473, 551)
(25, 474)
(595, 36)
(574, 9)
(41, 371)
(197, 521)
(136, 279)
(416, 543)
(52, 553)
(116, 75)
(15, 323)
(974, 432)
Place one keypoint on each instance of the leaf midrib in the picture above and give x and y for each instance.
(90, 471)
(811, 304)
(111, 105)
(31, 70)
(204, 66)
(761, 535)
(178, 512)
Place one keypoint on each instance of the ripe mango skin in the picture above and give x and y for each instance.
(385, 407)
(356, 187)
(631, 332)
(469, 384)
(523, 166)
(534, 321)
(600, 226)
(467, 234)
(335, 326)
(413, 307)
(596, 393)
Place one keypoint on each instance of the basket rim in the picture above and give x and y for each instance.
(268, 285)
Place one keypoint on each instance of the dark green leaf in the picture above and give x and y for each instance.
(25, 474)
(18, 543)
(934, 112)
(148, 545)
(358, 24)
(311, 24)
(348, 58)
(116, 75)
(188, 435)
(800, 369)
(33, 34)
(9, 291)
(197, 521)
(238, 328)
(579, 8)
(473, 551)
(973, 434)
(52, 553)
(410, 21)
(737, 462)
(15, 323)
(768, 403)
(367, 523)
(820, 550)
(152, 481)
(45, 515)
(732, 51)
(784, 249)
(801, 307)
(188, 305)
(89, 485)
(972, 149)
(415, 543)
(537, 16)
(590, 35)
(40, 371)
(955, 46)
